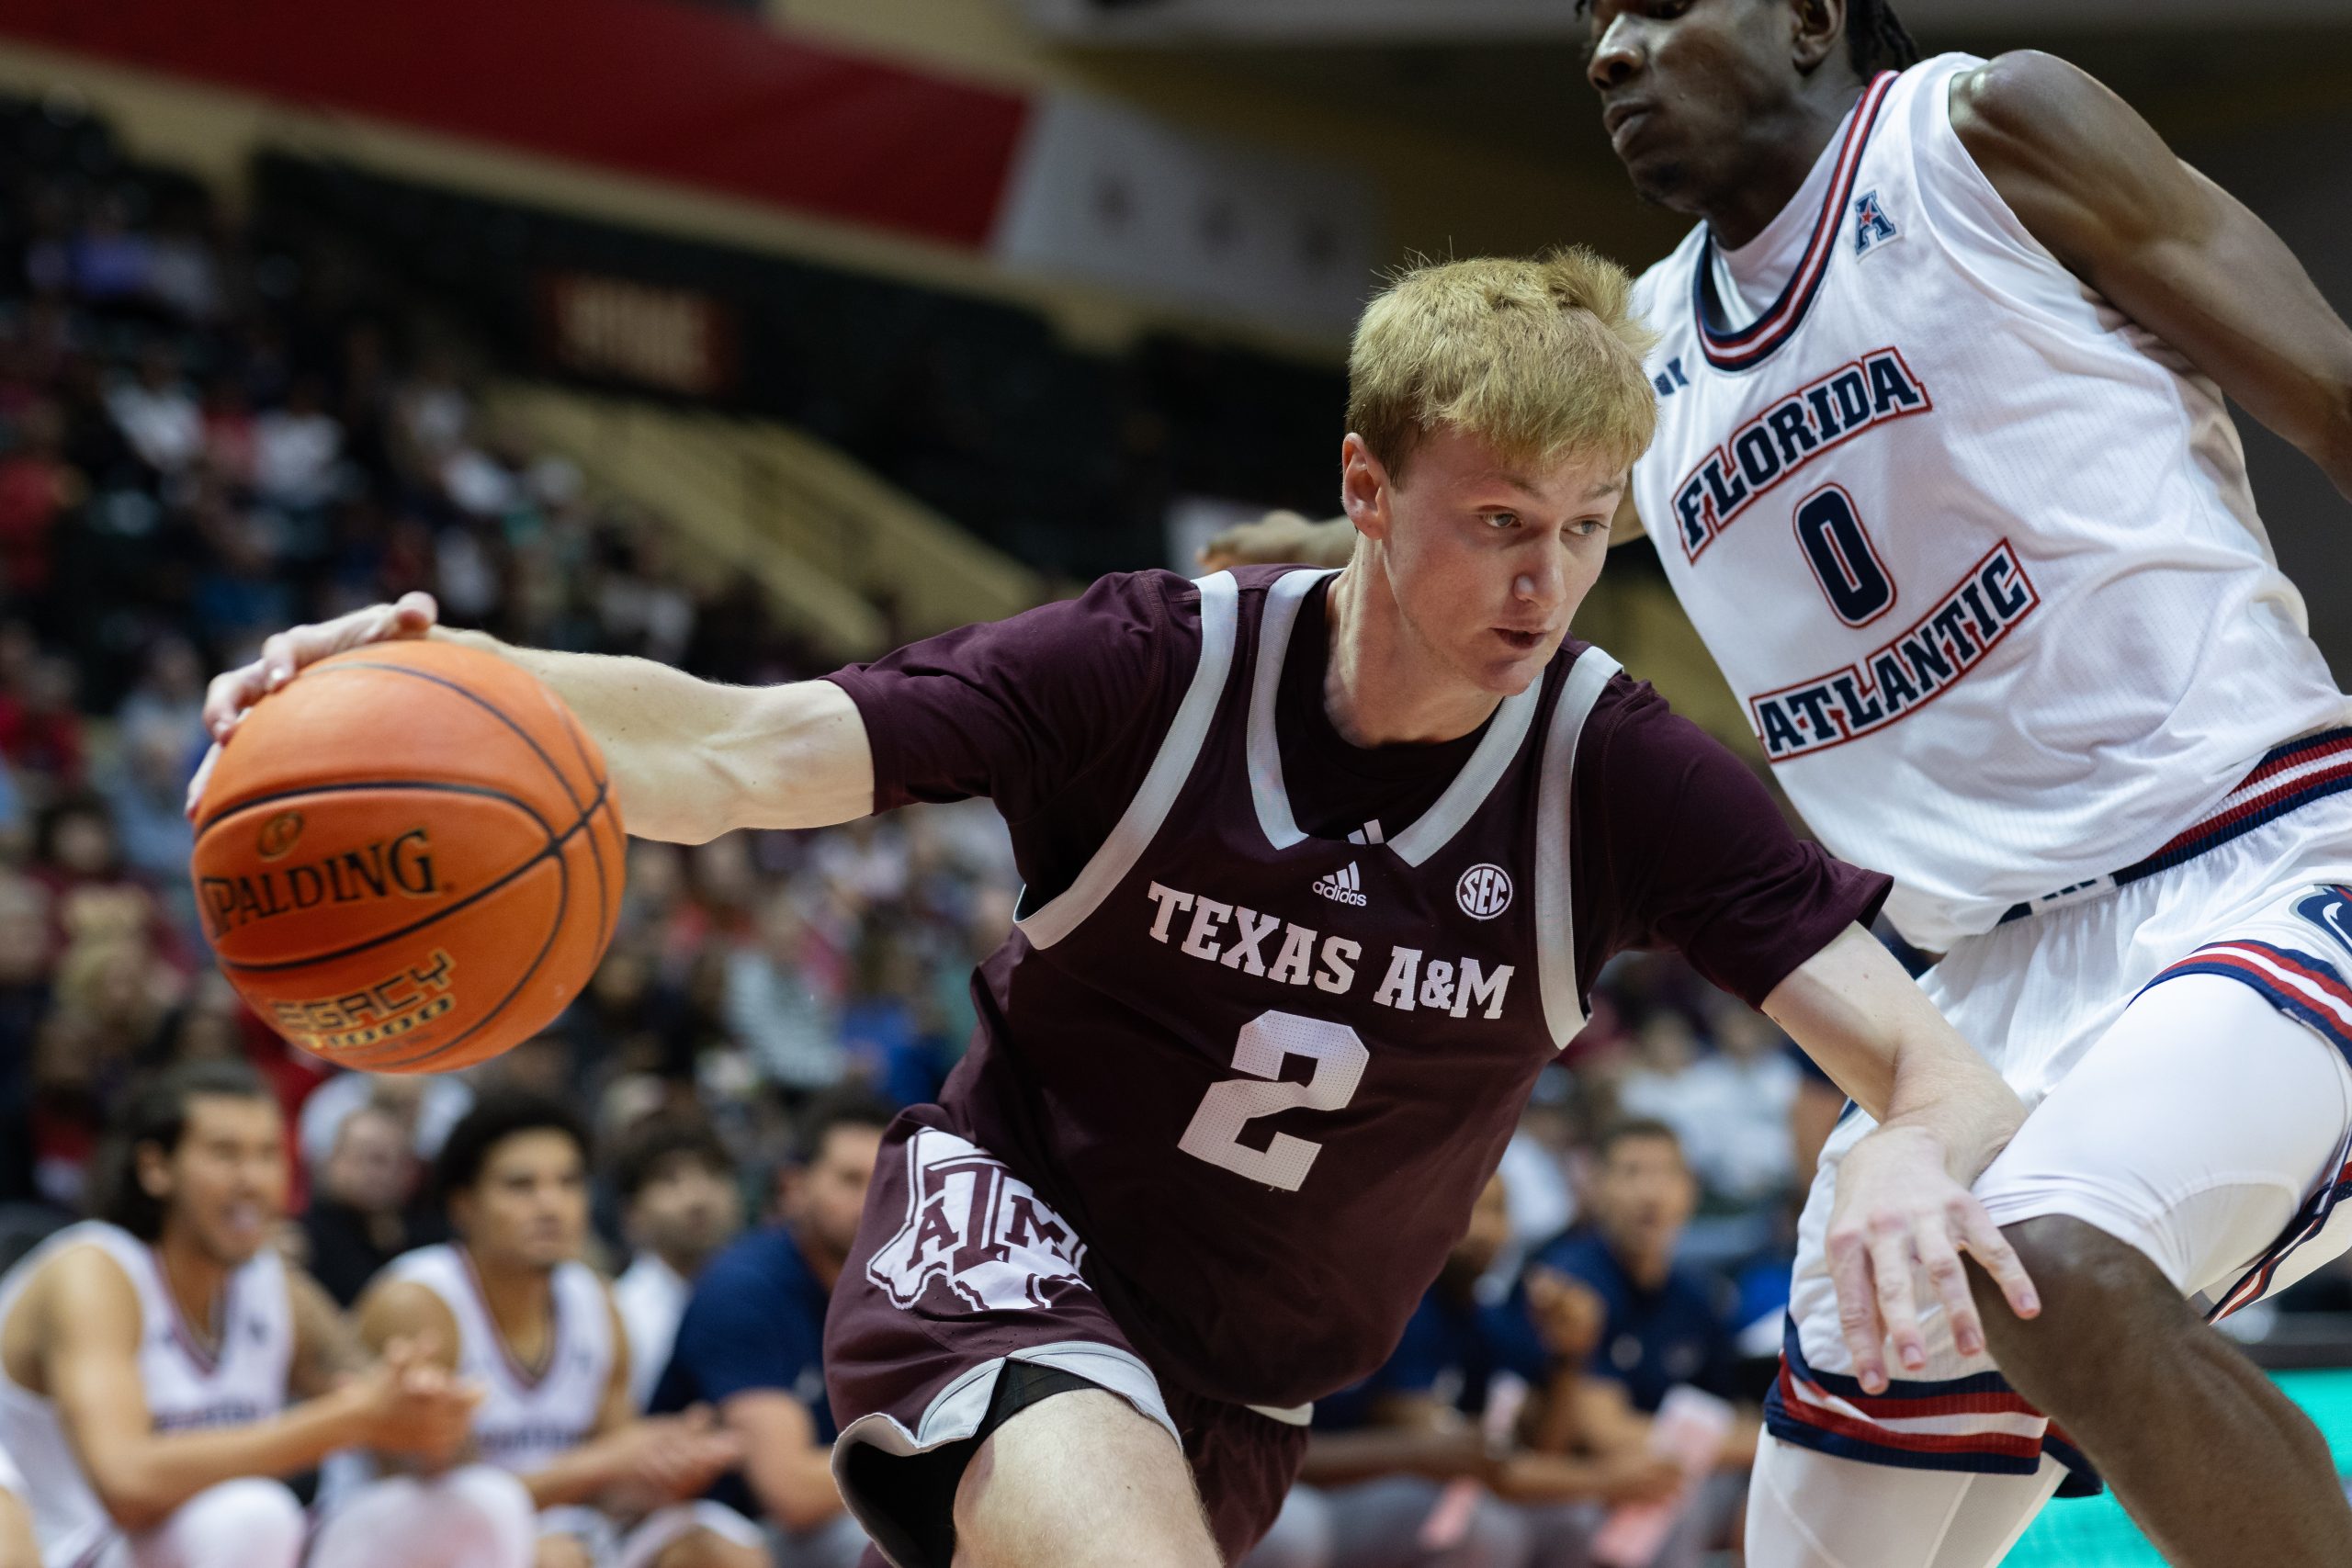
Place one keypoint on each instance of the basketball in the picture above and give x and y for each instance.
(408, 859)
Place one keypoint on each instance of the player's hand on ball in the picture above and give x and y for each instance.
(1279, 538)
(232, 694)
(1900, 1213)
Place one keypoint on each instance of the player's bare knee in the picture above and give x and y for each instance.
(1082, 1480)
(2095, 1291)
(491, 1506)
(260, 1516)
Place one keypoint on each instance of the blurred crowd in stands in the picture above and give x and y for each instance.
(194, 451)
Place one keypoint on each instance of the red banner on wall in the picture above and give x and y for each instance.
(647, 87)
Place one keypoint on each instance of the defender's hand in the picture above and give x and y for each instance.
(1279, 538)
(232, 694)
(1898, 1207)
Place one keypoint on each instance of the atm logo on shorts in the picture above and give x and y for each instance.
(976, 1228)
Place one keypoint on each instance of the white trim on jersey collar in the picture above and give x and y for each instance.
(1556, 934)
(1179, 749)
(1463, 797)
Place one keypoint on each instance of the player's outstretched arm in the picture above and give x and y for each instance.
(689, 758)
(90, 1363)
(2098, 186)
(1903, 1197)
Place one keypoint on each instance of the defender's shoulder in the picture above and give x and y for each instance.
(2020, 103)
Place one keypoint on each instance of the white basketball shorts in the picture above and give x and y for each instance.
(2182, 1043)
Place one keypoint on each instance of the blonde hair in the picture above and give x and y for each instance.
(1541, 358)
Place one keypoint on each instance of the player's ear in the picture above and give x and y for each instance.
(152, 1169)
(1364, 487)
(1818, 32)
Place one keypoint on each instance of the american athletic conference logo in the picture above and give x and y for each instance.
(1484, 891)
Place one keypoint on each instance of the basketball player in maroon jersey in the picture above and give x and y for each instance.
(1321, 868)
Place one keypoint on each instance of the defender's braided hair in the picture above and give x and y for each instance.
(1876, 39)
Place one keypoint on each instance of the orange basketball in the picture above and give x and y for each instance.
(408, 857)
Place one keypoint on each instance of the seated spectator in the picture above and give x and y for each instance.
(425, 1106)
(231, 433)
(778, 1003)
(78, 859)
(296, 449)
(156, 413)
(679, 1206)
(510, 1307)
(360, 1216)
(1736, 1111)
(1423, 1465)
(23, 1002)
(110, 260)
(750, 1343)
(181, 274)
(145, 791)
(1659, 1326)
(169, 693)
(40, 733)
(38, 486)
(1662, 1325)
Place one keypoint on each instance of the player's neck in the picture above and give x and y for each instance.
(686, 1264)
(195, 1279)
(1646, 1266)
(521, 1298)
(1383, 687)
(1783, 150)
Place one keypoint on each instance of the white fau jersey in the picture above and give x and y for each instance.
(240, 1380)
(525, 1420)
(1977, 553)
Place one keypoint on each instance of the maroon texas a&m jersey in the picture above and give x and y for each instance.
(1275, 1001)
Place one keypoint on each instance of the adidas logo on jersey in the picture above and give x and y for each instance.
(1342, 887)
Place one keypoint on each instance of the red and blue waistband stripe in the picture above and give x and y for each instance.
(1792, 1419)
(1754, 343)
(2288, 778)
(2321, 766)
(2280, 975)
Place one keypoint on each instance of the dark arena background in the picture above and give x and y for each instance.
(760, 338)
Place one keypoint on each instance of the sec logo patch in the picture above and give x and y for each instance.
(1484, 891)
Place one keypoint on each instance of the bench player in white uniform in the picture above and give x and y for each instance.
(17, 1549)
(1944, 476)
(536, 1329)
(147, 1361)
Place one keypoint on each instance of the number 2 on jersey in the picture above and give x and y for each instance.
(1215, 1134)
(1839, 550)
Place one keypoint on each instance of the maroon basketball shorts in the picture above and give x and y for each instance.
(965, 1300)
